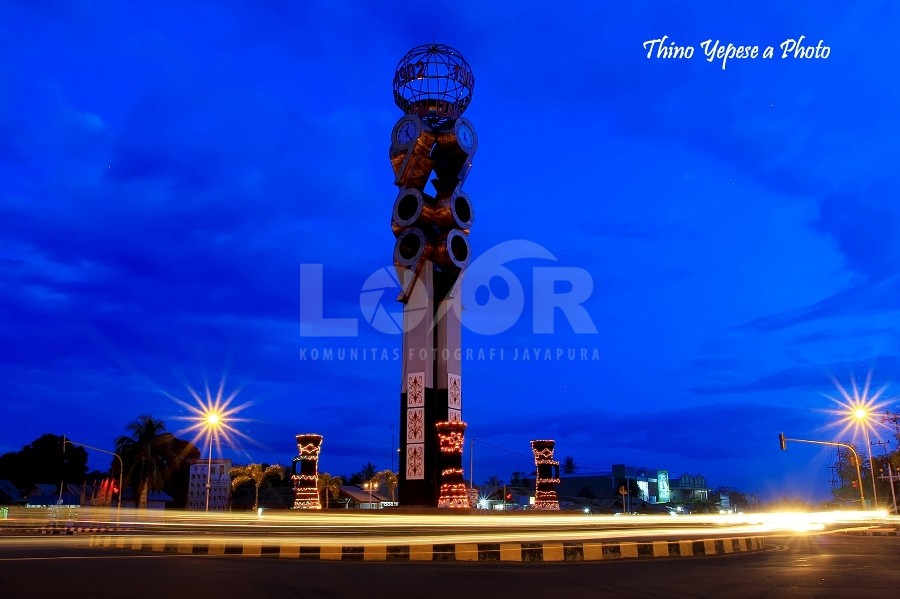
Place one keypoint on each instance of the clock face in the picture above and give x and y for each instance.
(406, 132)
(465, 136)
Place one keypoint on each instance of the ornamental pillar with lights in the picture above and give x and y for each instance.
(431, 144)
(547, 475)
(305, 472)
(454, 492)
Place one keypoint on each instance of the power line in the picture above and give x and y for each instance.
(527, 457)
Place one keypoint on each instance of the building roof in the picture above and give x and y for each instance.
(9, 493)
(360, 495)
(43, 489)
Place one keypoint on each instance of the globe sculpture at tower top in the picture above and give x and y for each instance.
(434, 82)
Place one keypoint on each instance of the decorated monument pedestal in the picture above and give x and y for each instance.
(305, 472)
(431, 152)
(547, 475)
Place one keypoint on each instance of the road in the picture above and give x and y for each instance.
(813, 565)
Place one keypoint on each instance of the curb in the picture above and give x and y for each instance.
(454, 552)
(874, 532)
(58, 530)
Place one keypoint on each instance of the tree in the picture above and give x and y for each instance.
(569, 466)
(145, 455)
(329, 486)
(365, 475)
(847, 475)
(494, 481)
(388, 479)
(43, 461)
(179, 470)
(257, 474)
(515, 479)
(586, 492)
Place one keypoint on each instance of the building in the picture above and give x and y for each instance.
(219, 471)
(653, 484)
(356, 497)
(154, 500)
(688, 488)
(649, 487)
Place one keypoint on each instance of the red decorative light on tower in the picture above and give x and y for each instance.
(305, 472)
(454, 492)
(547, 475)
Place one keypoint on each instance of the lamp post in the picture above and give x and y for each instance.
(368, 486)
(212, 423)
(783, 442)
(862, 417)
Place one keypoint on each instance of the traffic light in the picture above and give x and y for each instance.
(782, 442)
(855, 484)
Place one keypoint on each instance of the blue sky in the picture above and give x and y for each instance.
(169, 168)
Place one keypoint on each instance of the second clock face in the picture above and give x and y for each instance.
(407, 131)
(465, 135)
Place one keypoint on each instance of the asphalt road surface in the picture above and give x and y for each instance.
(819, 565)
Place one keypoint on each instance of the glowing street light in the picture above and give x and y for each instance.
(370, 486)
(212, 423)
(862, 418)
(857, 407)
(212, 417)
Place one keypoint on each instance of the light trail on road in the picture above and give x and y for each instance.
(395, 528)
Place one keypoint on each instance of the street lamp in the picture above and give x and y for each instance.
(862, 418)
(212, 422)
(370, 486)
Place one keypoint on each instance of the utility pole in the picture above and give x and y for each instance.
(887, 459)
(833, 480)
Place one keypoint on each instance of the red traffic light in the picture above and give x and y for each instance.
(855, 484)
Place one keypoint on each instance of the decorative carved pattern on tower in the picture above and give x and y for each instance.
(431, 152)
(305, 472)
(547, 475)
(454, 493)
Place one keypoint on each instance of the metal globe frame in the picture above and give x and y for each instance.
(433, 82)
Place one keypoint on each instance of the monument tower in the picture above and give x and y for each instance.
(431, 152)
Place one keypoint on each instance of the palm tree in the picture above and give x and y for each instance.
(569, 466)
(329, 485)
(494, 481)
(257, 474)
(389, 479)
(144, 455)
(368, 471)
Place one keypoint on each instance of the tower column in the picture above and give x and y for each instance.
(431, 152)
(305, 472)
(547, 475)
